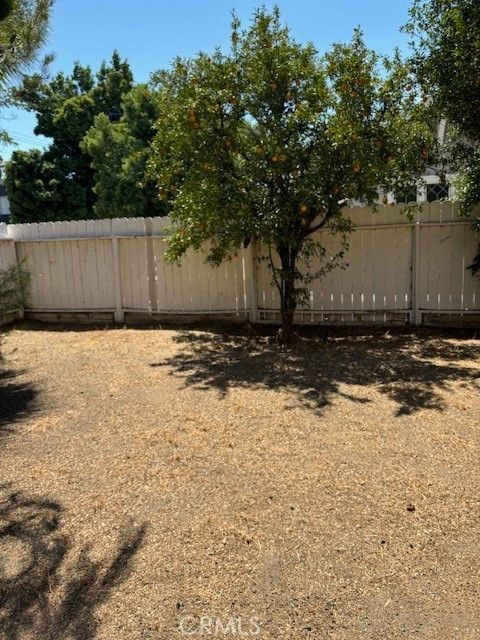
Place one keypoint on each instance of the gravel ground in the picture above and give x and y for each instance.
(151, 477)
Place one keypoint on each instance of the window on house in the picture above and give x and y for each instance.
(407, 196)
(437, 191)
(3, 190)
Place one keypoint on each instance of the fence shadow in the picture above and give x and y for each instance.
(49, 590)
(412, 370)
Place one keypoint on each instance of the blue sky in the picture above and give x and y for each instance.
(150, 33)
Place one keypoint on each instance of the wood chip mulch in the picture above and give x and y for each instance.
(152, 477)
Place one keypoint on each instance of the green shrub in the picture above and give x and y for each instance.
(14, 287)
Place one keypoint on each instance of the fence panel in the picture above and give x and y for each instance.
(374, 276)
(445, 283)
(197, 287)
(8, 257)
(69, 275)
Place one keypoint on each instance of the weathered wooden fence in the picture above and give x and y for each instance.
(395, 271)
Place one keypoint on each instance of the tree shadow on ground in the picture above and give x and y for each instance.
(18, 399)
(412, 370)
(49, 590)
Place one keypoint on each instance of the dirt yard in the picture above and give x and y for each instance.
(154, 477)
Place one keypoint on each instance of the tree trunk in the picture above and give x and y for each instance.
(286, 334)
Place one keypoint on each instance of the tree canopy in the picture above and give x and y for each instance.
(445, 36)
(119, 153)
(272, 141)
(446, 57)
(65, 108)
(23, 30)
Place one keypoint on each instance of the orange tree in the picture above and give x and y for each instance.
(271, 141)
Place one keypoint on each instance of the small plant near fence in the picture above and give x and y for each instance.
(14, 287)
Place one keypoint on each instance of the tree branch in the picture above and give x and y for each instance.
(328, 215)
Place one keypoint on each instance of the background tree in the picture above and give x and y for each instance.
(446, 60)
(272, 141)
(119, 152)
(65, 108)
(38, 190)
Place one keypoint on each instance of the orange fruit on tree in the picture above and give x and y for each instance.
(303, 208)
(356, 167)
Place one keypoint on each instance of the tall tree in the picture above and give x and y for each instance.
(445, 37)
(272, 141)
(65, 108)
(119, 152)
(23, 30)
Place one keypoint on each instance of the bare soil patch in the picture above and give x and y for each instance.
(151, 477)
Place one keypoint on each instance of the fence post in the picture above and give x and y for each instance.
(253, 281)
(151, 266)
(20, 312)
(416, 313)
(119, 313)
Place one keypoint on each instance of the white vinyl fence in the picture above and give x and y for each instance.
(395, 271)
